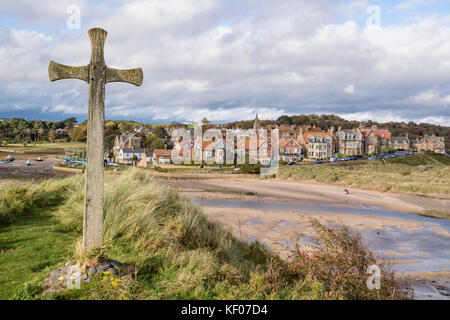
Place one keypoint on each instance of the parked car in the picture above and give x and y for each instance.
(318, 162)
(39, 159)
(292, 163)
(10, 158)
(354, 158)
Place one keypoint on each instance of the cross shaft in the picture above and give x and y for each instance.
(97, 75)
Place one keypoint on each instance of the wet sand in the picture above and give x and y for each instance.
(286, 191)
(38, 169)
(275, 212)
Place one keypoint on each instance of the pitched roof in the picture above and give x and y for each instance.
(162, 153)
(127, 136)
(285, 141)
(128, 150)
(399, 140)
(381, 133)
(323, 134)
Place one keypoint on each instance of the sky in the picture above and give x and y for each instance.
(228, 60)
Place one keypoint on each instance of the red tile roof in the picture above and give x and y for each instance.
(163, 153)
(380, 132)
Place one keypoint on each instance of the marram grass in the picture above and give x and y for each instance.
(406, 177)
(180, 254)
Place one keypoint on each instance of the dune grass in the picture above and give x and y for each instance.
(20, 198)
(398, 175)
(179, 254)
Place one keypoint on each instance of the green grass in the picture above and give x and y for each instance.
(421, 159)
(20, 198)
(30, 248)
(398, 175)
(178, 252)
(42, 148)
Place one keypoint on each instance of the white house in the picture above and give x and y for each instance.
(126, 154)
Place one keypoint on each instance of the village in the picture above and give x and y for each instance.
(309, 144)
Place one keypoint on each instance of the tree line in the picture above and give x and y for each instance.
(18, 130)
(325, 122)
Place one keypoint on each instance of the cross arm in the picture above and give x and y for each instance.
(58, 71)
(133, 76)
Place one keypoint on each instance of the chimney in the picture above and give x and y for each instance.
(332, 130)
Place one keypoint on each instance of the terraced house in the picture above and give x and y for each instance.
(400, 143)
(375, 139)
(430, 143)
(317, 143)
(350, 142)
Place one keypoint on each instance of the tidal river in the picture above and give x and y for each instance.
(275, 212)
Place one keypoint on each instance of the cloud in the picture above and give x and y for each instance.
(229, 60)
(410, 4)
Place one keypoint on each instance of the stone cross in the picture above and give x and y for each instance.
(97, 75)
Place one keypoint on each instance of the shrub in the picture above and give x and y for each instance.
(159, 169)
(249, 168)
(340, 265)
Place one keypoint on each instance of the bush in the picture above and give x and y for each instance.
(340, 266)
(159, 169)
(249, 168)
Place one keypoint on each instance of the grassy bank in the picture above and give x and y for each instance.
(17, 199)
(398, 175)
(179, 254)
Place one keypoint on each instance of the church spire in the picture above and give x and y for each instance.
(256, 124)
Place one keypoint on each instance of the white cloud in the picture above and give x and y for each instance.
(210, 59)
(350, 89)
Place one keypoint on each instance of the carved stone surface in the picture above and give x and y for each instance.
(58, 71)
(133, 76)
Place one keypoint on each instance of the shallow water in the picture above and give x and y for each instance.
(429, 248)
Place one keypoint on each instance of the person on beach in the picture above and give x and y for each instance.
(346, 191)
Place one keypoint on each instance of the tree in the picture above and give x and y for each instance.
(284, 120)
(160, 132)
(69, 122)
(157, 143)
(51, 135)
